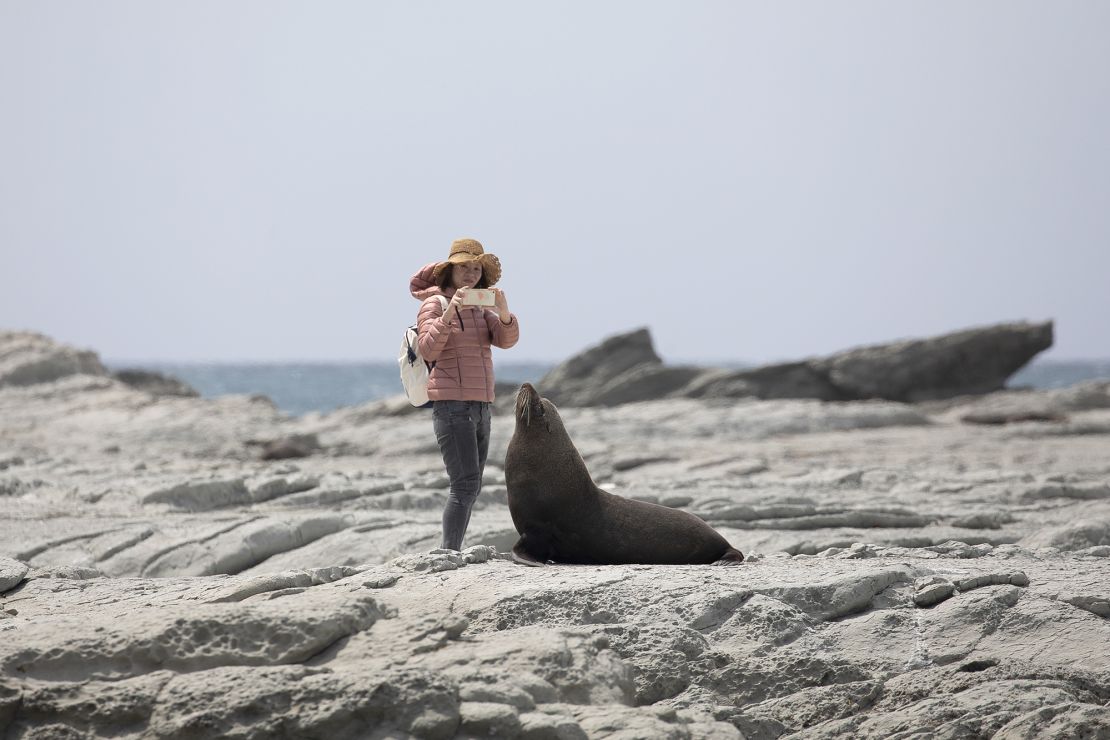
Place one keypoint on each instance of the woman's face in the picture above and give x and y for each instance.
(466, 274)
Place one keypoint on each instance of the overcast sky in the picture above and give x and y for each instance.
(753, 181)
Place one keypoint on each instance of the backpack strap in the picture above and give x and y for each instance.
(442, 302)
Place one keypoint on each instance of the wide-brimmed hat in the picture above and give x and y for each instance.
(470, 250)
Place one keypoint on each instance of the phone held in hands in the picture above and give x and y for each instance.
(479, 297)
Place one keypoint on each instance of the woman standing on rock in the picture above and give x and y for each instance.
(457, 342)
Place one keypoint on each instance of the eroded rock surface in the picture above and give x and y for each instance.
(907, 573)
(443, 644)
(27, 358)
(158, 384)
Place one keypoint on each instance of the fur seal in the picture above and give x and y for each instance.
(562, 516)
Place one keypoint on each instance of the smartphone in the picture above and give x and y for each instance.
(479, 297)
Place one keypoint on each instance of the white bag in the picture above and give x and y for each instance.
(414, 370)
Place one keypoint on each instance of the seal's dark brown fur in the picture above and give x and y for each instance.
(564, 517)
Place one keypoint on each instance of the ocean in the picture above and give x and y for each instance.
(300, 387)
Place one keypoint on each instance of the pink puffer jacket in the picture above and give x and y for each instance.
(463, 368)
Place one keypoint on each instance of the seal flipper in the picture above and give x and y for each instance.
(522, 556)
(732, 556)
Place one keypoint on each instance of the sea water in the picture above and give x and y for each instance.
(300, 387)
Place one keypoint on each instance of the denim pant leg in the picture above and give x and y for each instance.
(483, 447)
(462, 430)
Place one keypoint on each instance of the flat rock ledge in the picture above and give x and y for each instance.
(445, 644)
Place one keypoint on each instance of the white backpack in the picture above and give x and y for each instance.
(414, 370)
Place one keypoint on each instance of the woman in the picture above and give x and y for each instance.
(457, 341)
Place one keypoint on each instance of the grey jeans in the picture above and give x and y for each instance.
(462, 430)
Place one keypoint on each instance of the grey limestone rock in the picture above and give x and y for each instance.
(265, 488)
(201, 495)
(288, 447)
(973, 361)
(547, 726)
(488, 719)
(180, 587)
(931, 591)
(1083, 492)
(488, 648)
(27, 358)
(580, 379)
(1085, 396)
(1098, 605)
(643, 382)
(250, 542)
(625, 368)
(1071, 719)
(784, 380)
(1072, 536)
(10, 461)
(12, 573)
(155, 383)
(197, 638)
(66, 572)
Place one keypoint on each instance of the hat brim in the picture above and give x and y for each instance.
(491, 266)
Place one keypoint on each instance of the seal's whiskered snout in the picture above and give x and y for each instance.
(526, 399)
(528, 404)
(523, 408)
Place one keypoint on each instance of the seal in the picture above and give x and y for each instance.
(562, 516)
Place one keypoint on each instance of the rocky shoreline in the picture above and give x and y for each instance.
(937, 568)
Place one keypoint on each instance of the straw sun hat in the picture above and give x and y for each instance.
(470, 250)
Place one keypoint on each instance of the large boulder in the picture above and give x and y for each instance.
(970, 362)
(579, 381)
(967, 362)
(643, 383)
(785, 380)
(27, 358)
(12, 573)
(155, 383)
(625, 368)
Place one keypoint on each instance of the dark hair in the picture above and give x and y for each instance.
(445, 278)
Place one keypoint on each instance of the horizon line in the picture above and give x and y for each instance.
(512, 361)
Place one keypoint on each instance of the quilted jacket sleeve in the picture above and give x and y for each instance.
(502, 335)
(432, 330)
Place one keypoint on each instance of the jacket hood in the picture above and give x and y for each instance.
(422, 286)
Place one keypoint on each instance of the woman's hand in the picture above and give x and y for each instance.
(453, 307)
(501, 305)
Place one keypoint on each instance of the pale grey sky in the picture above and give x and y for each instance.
(754, 181)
